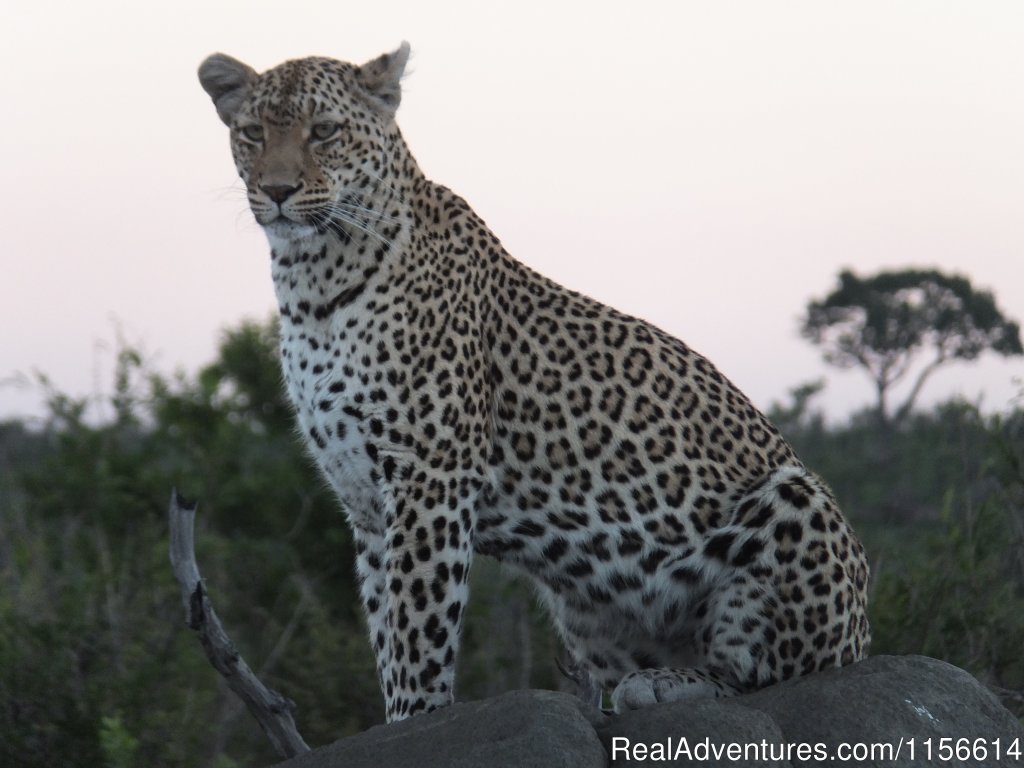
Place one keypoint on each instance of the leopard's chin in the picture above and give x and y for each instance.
(283, 229)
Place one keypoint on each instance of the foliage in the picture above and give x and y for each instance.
(96, 665)
(894, 477)
(98, 669)
(882, 323)
(119, 746)
(965, 601)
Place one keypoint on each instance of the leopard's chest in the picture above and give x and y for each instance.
(333, 393)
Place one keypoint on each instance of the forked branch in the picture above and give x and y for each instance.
(272, 710)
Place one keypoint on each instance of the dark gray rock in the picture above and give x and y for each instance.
(890, 702)
(876, 706)
(691, 733)
(520, 729)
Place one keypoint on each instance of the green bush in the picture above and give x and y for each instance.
(97, 667)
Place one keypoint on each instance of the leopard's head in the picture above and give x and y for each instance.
(309, 137)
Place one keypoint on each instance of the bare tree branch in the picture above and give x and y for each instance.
(908, 403)
(272, 710)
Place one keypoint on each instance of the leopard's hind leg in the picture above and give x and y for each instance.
(790, 598)
(731, 622)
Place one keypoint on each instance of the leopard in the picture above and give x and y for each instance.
(459, 404)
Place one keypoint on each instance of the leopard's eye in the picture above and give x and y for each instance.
(253, 133)
(324, 131)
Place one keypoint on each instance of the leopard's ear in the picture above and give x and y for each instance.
(381, 78)
(227, 80)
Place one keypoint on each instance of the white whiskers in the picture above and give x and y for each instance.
(333, 215)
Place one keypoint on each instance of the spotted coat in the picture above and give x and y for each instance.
(459, 403)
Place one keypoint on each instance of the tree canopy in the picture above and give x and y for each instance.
(886, 322)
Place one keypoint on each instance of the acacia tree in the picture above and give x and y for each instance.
(886, 322)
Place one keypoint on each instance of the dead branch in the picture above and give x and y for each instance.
(272, 710)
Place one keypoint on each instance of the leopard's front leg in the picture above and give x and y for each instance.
(371, 558)
(429, 547)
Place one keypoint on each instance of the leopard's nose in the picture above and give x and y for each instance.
(280, 192)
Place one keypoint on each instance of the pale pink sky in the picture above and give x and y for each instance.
(710, 166)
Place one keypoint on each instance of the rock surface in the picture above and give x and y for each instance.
(871, 709)
(886, 699)
(521, 728)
